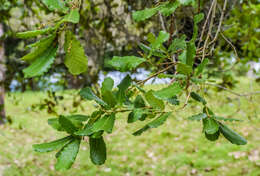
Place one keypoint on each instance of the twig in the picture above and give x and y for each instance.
(162, 21)
(186, 100)
(235, 93)
(167, 63)
(234, 48)
(205, 23)
(156, 74)
(220, 22)
(210, 29)
(198, 56)
(171, 29)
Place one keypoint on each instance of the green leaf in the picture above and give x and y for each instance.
(210, 126)
(78, 117)
(139, 132)
(151, 37)
(153, 124)
(97, 134)
(109, 98)
(153, 101)
(212, 137)
(88, 94)
(182, 58)
(184, 69)
(131, 118)
(67, 155)
(198, 18)
(231, 135)
(51, 146)
(107, 85)
(72, 17)
(75, 59)
(198, 80)
(159, 120)
(139, 88)
(208, 111)
(122, 87)
(35, 33)
(227, 119)
(201, 66)
(198, 98)
(67, 125)
(42, 63)
(147, 115)
(195, 33)
(178, 44)
(162, 37)
(105, 123)
(144, 14)
(54, 123)
(126, 63)
(40, 48)
(174, 100)
(198, 116)
(168, 92)
(42, 42)
(97, 114)
(98, 153)
(56, 5)
(169, 8)
(107, 94)
(139, 102)
(86, 131)
(145, 48)
(153, 52)
(76, 120)
(191, 53)
(135, 115)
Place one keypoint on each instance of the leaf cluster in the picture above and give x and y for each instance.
(44, 51)
(129, 97)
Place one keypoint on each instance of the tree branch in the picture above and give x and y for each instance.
(156, 74)
(232, 92)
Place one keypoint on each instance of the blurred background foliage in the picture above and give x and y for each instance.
(106, 29)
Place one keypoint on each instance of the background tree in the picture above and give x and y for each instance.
(2, 76)
(4, 9)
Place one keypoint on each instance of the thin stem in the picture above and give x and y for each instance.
(232, 92)
(220, 22)
(210, 29)
(234, 48)
(171, 29)
(162, 22)
(205, 23)
(157, 73)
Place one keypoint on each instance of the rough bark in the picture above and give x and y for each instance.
(2, 76)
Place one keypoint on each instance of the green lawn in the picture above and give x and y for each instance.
(176, 148)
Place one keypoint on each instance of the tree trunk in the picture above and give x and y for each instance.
(2, 76)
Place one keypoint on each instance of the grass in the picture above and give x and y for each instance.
(176, 148)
